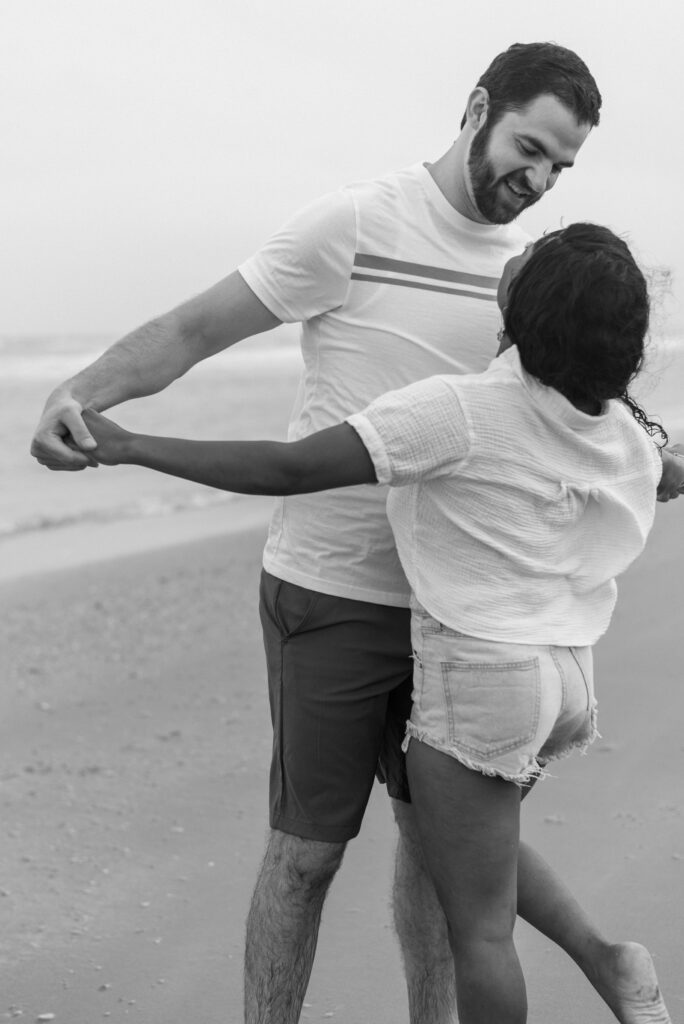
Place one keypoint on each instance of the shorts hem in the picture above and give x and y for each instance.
(309, 830)
(533, 772)
(401, 795)
(580, 745)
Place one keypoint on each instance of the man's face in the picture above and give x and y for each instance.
(512, 165)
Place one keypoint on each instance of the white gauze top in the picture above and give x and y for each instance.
(513, 512)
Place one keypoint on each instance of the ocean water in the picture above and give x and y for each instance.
(247, 392)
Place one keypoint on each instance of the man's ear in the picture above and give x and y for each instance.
(477, 108)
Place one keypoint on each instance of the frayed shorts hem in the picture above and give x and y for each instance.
(532, 773)
(580, 746)
(502, 709)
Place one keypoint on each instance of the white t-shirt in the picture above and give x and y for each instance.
(512, 510)
(392, 285)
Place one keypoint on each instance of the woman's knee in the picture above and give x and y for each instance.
(484, 926)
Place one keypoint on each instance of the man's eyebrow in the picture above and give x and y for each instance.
(537, 142)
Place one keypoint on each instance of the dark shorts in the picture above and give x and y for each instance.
(340, 680)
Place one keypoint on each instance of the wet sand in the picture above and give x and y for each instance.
(134, 746)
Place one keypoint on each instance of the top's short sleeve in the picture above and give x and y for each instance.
(305, 268)
(417, 432)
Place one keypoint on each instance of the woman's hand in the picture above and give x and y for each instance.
(113, 442)
(672, 480)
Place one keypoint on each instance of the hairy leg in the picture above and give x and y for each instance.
(283, 923)
(421, 929)
(469, 828)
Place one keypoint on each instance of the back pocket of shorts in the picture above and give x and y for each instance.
(492, 708)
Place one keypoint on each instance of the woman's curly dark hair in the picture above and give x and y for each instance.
(578, 313)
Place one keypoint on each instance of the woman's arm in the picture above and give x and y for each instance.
(335, 457)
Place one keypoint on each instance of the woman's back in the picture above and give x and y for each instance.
(512, 510)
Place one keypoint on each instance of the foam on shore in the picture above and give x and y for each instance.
(85, 541)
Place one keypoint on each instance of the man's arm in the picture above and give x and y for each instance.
(144, 362)
(335, 457)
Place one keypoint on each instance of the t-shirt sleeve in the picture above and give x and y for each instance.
(416, 432)
(305, 268)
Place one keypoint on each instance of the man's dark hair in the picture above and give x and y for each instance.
(527, 70)
(578, 313)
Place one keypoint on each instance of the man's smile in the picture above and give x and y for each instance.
(518, 190)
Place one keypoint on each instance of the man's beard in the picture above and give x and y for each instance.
(484, 183)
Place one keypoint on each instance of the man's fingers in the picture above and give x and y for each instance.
(73, 465)
(80, 434)
(54, 451)
(63, 441)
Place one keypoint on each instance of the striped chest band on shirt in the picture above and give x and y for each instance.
(382, 270)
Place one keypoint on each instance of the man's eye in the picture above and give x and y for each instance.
(527, 150)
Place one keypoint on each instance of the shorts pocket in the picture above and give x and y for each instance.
(293, 607)
(492, 708)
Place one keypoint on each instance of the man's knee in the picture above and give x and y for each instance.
(301, 864)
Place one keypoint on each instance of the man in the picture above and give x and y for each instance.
(393, 281)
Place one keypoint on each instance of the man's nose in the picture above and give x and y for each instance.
(538, 177)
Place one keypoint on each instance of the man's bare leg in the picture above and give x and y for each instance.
(622, 973)
(283, 923)
(421, 929)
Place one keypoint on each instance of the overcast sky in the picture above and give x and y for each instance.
(149, 145)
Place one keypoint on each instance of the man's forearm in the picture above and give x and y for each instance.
(146, 361)
(143, 362)
(150, 358)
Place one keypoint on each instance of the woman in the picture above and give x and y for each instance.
(518, 495)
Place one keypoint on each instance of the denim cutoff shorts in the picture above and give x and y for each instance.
(499, 708)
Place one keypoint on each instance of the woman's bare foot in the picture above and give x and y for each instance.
(628, 983)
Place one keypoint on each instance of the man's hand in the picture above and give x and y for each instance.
(672, 480)
(111, 439)
(62, 440)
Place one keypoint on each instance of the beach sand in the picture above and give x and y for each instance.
(134, 752)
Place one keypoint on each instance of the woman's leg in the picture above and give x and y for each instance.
(469, 829)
